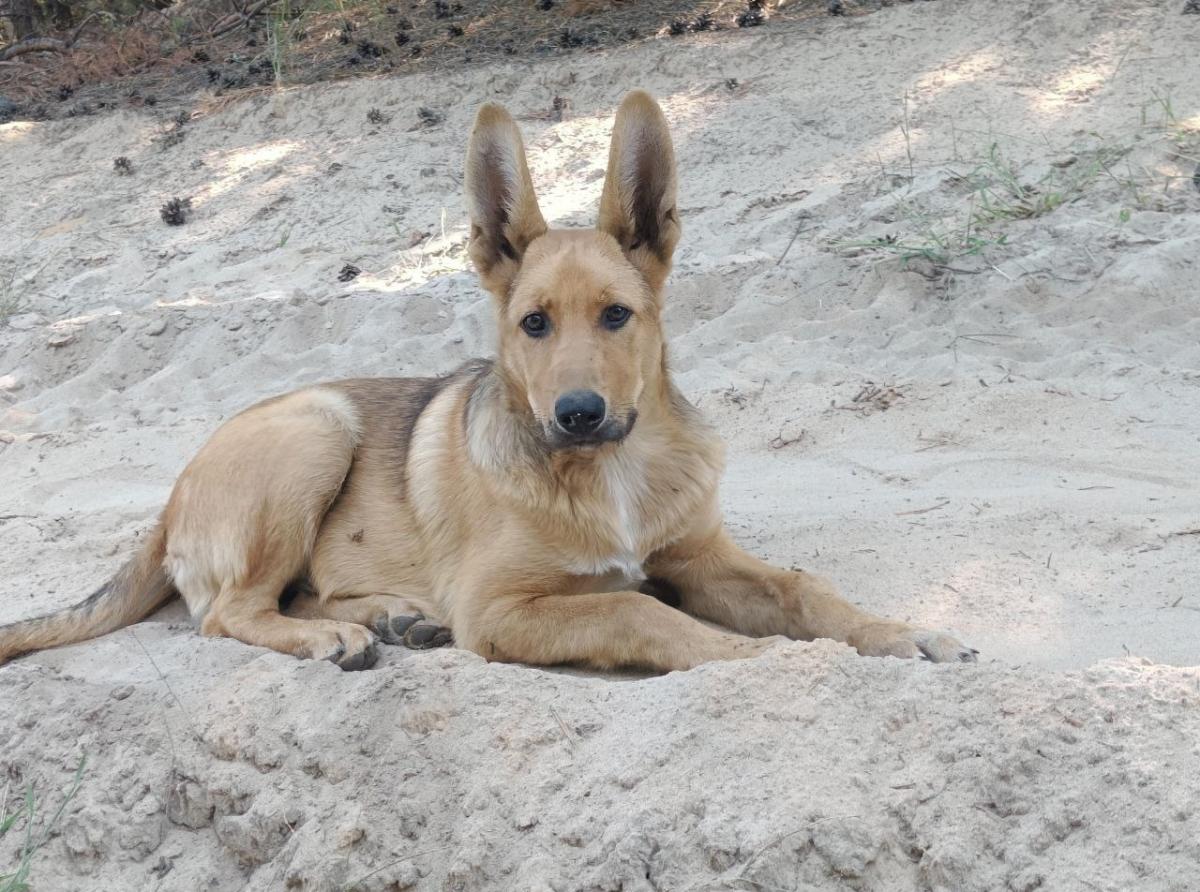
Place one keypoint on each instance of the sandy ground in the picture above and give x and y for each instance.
(1000, 438)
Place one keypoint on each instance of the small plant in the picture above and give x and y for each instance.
(1161, 103)
(123, 166)
(935, 246)
(18, 880)
(1002, 196)
(375, 116)
(10, 303)
(279, 39)
(348, 273)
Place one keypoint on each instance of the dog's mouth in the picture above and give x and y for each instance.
(613, 430)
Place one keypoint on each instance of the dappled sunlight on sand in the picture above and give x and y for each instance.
(955, 72)
(945, 601)
(237, 165)
(16, 131)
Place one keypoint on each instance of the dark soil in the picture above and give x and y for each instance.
(208, 47)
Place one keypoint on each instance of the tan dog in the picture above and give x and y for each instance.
(521, 503)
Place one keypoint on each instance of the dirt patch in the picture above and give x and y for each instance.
(214, 48)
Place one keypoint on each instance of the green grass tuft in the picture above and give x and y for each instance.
(18, 880)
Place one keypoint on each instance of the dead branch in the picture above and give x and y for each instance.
(45, 44)
(237, 19)
(33, 45)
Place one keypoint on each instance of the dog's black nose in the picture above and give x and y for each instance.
(579, 412)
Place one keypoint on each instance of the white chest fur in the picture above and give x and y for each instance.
(619, 558)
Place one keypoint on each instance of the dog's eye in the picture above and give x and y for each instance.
(616, 316)
(535, 325)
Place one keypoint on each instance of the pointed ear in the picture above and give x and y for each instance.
(504, 211)
(637, 207)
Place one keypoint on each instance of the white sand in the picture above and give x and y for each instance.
(1031, 488)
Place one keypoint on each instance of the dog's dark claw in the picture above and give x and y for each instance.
(364, 659)
(425, 636)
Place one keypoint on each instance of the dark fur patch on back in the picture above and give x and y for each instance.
(390, 409)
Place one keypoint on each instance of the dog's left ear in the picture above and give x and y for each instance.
(637, 207)
(505, 216)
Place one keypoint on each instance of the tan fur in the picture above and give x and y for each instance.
(451, 498)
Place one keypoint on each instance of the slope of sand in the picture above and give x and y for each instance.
(1008, 448)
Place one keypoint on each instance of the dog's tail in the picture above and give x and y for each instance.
(139, 587)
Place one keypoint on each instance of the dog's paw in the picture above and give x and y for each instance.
(938, 647)
(413, 631)
(350, 646)
(425, 635)
(886, 639)
(391, 629)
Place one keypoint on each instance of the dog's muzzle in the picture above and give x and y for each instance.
(581, 418)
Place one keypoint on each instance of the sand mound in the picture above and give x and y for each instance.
(937, 289)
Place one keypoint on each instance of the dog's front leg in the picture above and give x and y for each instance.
(718, 581)
(602, 630)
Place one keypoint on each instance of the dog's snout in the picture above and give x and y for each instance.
(579, 412)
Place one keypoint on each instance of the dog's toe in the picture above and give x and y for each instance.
(363, 659)
(347, 645)
(335, 655)
(391, 629)
(426, 635)
(401, 624)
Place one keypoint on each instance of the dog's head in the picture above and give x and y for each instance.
(579, 310)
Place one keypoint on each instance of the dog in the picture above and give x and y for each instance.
(543, 507)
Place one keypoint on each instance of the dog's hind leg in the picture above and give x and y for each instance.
(252, 615)
(242, 520)
(394, 619)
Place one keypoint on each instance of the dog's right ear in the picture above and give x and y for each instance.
(505, 216)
